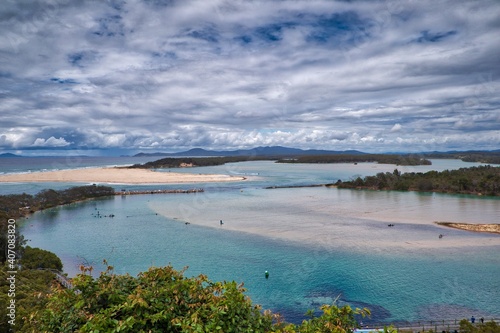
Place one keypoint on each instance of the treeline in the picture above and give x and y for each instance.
(408, 159)
(17, 205)
(177, 162)
(403, 159)
(482, 180)
(492, 157)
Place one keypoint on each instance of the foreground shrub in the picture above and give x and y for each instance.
(164, 300)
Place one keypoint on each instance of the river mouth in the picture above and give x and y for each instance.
(316, 243)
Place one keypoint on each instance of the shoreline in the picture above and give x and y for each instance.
(115, 175)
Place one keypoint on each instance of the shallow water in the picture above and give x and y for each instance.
(317, 243)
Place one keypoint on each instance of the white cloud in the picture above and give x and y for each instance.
(396, 128)
(223, 74)
(50, 142)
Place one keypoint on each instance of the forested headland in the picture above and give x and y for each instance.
(481, 180)
(407, 159)
(18, 205)
(396, 159)
(489, 157)
(178, 162)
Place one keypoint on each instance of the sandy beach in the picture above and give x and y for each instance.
(115, 176)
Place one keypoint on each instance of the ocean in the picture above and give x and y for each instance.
(318, 244)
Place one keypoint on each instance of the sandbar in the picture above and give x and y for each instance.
(115, 175)
(330, 218)
(490, 228)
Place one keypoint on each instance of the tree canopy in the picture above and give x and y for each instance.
(35, 258)
(484, 180)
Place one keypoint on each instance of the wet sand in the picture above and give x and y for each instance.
(327, 218)
(115, 176)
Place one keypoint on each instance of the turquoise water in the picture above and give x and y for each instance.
(318, 244)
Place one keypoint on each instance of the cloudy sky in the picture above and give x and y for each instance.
(169, 75)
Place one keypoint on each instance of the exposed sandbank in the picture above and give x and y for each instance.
(330, 218)
(115, 176)
(490, 228)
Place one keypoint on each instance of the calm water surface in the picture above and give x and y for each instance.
(317, 243)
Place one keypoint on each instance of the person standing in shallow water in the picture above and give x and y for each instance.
(472, 320)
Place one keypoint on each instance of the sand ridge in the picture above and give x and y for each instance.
(116, 175)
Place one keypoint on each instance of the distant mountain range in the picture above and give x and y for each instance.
(258, 151)
(280, 151)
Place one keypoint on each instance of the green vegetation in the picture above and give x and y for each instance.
(4, 238)
(483, 180)
(492, 157)
(164, 300)
(177, 162)
(32, 286)
(18, 205)
(35, 258)
(379, 158)
(403, 159)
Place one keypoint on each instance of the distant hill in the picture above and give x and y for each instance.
(9, 155)
(258, 151)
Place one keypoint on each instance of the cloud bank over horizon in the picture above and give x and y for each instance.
(169, 75)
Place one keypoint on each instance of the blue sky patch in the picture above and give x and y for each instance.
(337, 26)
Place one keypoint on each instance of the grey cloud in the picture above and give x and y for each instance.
(223, 74)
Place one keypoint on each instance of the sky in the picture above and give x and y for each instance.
(170, 75)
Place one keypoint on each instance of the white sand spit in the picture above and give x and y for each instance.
(116, 175)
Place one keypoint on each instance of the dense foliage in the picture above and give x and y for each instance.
(484, 180)
(35, 258)
(164, 300)
(176, 162)
(492, 157)
(344, 158)
(31, 289)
